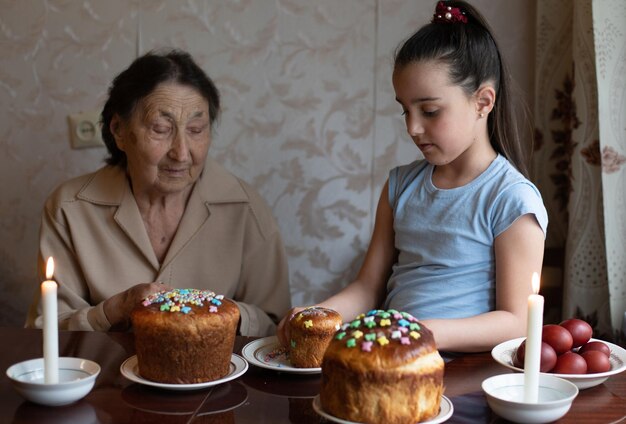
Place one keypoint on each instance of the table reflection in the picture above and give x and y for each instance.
(154, 402)
(80, 412)
(470, 408)
(283, 384)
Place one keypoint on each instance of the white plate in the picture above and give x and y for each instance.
(269, 353)
(503, 354)
(445, 412)
(130, 370)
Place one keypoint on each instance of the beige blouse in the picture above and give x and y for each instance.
(227, 242)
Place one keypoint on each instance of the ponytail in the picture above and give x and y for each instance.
(461, 38)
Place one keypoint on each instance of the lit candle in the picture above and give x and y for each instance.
(50, 326)
(532, 354)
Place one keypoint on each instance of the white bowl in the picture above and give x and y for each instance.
(503, 354)
(76, 378)
(505, 396)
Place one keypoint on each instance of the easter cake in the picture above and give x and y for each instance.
(382, 367)
(311, 330)
(184, 336)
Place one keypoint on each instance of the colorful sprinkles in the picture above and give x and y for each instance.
(311, 311)
(379, 327)
(181, 300)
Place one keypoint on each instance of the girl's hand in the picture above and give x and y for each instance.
(117, 308)
(282, 331)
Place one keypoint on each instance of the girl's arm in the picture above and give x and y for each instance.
(368, 290)
(519, 253)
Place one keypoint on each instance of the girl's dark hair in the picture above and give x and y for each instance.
(473, 58)
(140, 79)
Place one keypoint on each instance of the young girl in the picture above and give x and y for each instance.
(458, 234)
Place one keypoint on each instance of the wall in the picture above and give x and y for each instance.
(309, 113)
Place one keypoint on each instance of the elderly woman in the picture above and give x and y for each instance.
(162, 213)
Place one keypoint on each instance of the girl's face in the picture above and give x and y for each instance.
(442, 120)
(166, 140)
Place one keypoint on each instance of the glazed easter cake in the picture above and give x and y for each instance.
(382, 367)
(311, 330)
(184, 336)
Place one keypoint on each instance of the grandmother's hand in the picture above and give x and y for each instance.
(117, 308)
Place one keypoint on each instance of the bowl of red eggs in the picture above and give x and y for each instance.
(568, 351)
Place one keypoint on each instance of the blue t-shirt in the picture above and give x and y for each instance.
(445, 238)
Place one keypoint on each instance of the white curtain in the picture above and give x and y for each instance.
(580, 162)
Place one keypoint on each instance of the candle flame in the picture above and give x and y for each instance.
(535, 283)
(49, 268)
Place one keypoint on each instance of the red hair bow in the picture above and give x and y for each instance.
(448, 15)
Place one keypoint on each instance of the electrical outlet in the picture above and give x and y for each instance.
(85, 130)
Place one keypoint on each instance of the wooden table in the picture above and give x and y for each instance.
(259, 396)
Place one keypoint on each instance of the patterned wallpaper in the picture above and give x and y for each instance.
(309, 114)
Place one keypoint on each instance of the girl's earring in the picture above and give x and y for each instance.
(482, 115)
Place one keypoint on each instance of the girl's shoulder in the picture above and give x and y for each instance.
(504, 177)
(405, 176)
(416, 166)
(511, 195)
(402, 175)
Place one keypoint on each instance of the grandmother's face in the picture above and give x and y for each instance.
(166, 140)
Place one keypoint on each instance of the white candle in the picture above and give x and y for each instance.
(532, 353)
(50, 326)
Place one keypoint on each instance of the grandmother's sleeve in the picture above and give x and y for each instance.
(74, 311)
(263, 294)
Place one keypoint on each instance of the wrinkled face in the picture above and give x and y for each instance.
(166, 140)
(440, 117)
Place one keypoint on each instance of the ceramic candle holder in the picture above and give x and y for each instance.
(505, 396)
(76, 379)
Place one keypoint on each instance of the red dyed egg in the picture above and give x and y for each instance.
(547, 361)
(570, 363)
(596, 361)
(558, 337)
(580, 330)
(595, 345)
(518, 355)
